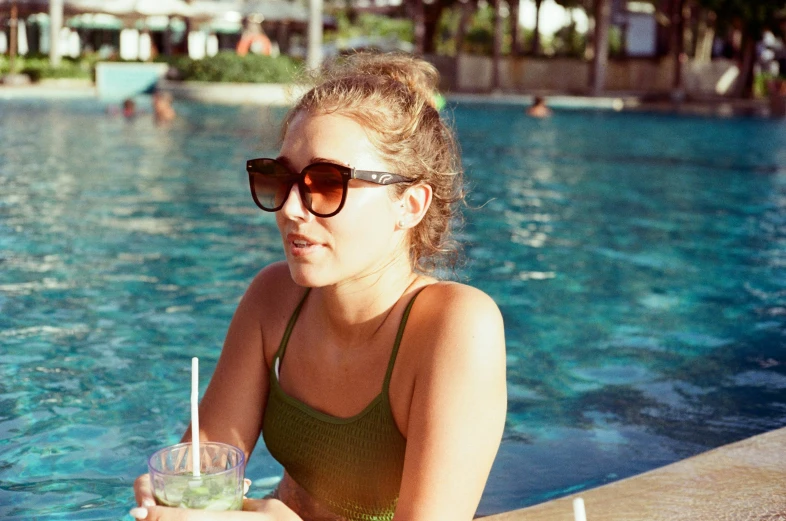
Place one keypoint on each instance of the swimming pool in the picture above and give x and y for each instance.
(639, 261)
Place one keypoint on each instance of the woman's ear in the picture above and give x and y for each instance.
(415, 203)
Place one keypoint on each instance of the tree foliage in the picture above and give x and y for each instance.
(752, 18)
(370, 24)
(37, 67)
(755, 16)
(227, 66)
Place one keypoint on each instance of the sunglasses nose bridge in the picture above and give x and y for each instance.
(299, 206)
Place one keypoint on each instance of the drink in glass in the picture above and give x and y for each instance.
(219, 485)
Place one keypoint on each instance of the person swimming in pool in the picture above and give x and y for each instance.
(129, 108)
(163, 112)
(539, 109)
(379, 387)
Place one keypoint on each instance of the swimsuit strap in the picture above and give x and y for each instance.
(386, 383)
(285, 339)
(399, 335)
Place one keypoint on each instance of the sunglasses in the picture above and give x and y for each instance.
(323, 186)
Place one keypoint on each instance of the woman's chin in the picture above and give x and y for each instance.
(307, 276)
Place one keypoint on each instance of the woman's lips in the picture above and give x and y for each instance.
(300, 245)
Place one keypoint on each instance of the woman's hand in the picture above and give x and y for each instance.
(257, 509)
(149, 511)
(143, 491)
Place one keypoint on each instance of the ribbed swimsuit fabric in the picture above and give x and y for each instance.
(351, 465)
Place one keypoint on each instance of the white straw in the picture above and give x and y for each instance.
(195, 415)
(578, 510)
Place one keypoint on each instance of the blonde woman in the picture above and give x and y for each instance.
(378, 387)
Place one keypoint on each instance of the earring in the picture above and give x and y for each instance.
(401, 223)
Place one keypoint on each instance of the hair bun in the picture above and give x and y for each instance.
(418, 76)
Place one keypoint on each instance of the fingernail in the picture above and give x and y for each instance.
(138, 512)
(148, 503)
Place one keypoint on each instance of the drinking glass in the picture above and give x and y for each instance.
(219, 486)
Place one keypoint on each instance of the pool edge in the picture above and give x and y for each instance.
(744, 480)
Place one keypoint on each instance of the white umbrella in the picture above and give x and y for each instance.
(115, 7)
(276, 10)
(162, 8)
(133, 8)
(210, 9)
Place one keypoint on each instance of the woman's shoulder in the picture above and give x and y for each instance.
(450, 315)
(273, 287)
(455, 338)
(273, 275)
(449, 302)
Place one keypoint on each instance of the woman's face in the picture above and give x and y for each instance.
(362, 238)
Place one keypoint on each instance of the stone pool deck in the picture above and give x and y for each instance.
(743, 481)
(50, 89)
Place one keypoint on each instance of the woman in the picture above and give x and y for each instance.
(379, 388)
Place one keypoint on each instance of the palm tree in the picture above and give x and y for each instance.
(536, 32)
(600, 58)
(515, 32)
(468, 8)
(419, 18)
(13, 36)
(677, 44)
(499, 31)
(601, 12)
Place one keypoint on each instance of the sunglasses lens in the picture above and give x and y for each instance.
(321, 186)
(270, 184)
(324, 188)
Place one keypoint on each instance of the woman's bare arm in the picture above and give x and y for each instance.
(233, 406)
(458, 406)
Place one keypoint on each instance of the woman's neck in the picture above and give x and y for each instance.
(355, 309)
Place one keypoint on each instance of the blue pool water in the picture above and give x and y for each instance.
(639, 261)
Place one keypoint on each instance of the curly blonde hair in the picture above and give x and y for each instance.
(394, 97)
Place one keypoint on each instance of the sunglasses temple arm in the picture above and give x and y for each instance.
(381, 178)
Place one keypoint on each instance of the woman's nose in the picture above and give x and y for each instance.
(294, 207)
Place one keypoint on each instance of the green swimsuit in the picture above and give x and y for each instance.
(352, 465)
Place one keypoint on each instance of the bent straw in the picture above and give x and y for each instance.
(195, 415)
(578, 510)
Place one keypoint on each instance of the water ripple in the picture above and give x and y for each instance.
(638, 261)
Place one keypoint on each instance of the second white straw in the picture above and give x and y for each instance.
(195, 416)
(579, 514)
